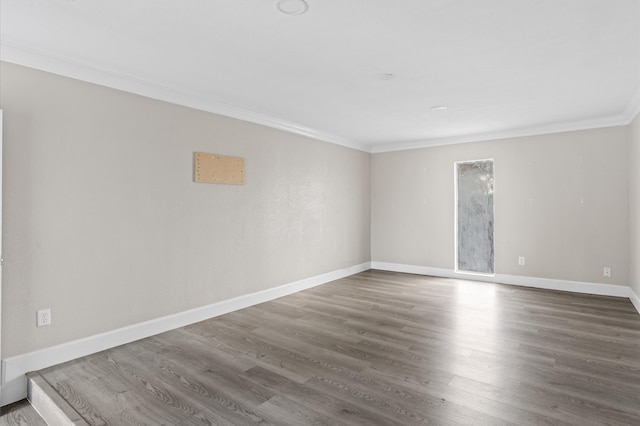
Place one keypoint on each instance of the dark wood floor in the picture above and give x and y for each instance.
(377, 348)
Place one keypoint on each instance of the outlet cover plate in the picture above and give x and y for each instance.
(43, 317)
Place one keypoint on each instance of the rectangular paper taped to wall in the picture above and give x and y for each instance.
(213, 168)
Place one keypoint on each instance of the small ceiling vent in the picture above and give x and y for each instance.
(292, 7)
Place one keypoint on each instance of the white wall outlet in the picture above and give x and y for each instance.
(43, 317)
(521, 260)
(606, 272)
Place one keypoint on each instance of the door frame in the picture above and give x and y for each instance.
(455, 217)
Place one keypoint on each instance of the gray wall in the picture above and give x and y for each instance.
(634, 204)
(561, 200)
(104, 225)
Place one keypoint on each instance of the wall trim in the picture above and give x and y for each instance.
(573, 126)
(524, 281)
(634, 299)
(14, 369)
(56, 63)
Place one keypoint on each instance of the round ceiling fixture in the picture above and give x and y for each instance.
(388, 76)
(292, 7)
(439, 108)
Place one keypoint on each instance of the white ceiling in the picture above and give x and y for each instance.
(502, 67)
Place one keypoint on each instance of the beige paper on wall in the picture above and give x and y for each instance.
(213, 168)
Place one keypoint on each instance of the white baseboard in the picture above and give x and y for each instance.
(546, 283)
(634, 299)
(14, 369)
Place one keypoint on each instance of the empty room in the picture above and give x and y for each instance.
(320, 212)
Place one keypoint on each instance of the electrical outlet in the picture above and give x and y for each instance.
(606, 272)
(521, 260)
(43, 317)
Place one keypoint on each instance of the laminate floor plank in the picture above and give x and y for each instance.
(300, 359)
(213, 418)
(329, 404)
(190, 393)
(508, 411)
(377, 348)
(548, 394)
(282, 411)
(20, 413)
(209, 381)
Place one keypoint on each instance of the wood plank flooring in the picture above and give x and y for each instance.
(20, 413)
(377, 348)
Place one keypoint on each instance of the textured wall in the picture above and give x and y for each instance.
(561, 200)
(634, 204)
(104, 225)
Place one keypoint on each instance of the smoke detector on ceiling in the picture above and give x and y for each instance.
(292, 7)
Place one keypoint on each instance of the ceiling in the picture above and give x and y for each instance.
(360, 73)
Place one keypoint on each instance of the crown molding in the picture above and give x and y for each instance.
(613, 121)
(56, 63)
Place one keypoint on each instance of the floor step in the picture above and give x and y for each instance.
(49, 404)
(19, 414)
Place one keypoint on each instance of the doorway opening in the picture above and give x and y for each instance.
(474, 221)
